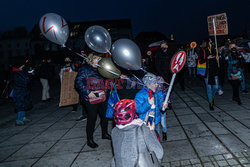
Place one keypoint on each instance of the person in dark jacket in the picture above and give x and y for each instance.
(222, 69)
(87, 81)
(208, 55)
(162, 62)
(234, 71)
(21, 94)
(45, 75)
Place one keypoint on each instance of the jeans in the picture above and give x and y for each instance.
(211, 89)
(243, 84)
(191, 73)
(164, 122)
(20, 115)
(158, 128)
(220, 87)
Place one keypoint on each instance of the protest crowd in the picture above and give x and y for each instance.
(132, 97)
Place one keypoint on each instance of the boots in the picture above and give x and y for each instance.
(164, 136)
(92, 144)
(106, 136)
(211, 106)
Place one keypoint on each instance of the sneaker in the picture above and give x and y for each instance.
(25, 119)
(82, 118)
(220, 92)
(19, 123)
(244, 91)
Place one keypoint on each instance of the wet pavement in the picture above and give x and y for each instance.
(196, 136)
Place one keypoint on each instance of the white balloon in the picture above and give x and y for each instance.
(54, 28)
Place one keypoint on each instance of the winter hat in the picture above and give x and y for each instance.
(149, 78)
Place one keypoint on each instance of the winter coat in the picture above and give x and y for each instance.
(212, 68)
(234, 61)
(44, 71)
(125, 141)
(88, 79)
(191, 58)
(162, 65)
(21, 91)
(143, 106)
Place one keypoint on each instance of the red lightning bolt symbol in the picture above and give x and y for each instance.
(52, 27)
(63, 25)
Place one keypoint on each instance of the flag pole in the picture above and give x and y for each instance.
(216, 46)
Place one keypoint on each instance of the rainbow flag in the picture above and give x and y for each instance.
(201, 69)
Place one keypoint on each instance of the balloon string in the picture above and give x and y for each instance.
(143, 70)
(127, 78)
(137, 78)
(109, 52)
(85, 58)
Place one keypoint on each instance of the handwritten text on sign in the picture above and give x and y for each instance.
(220, 24)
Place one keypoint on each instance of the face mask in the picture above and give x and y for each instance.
(164, 49)
(25, 69)
(67, 62)
(234, 50)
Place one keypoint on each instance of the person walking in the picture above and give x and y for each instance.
(162, 62)
(222, 69)
(21, 94)
(45, 75)
(208, 55)
(192, 56)
(234, 71)
(90, 86)
(131, 136)
(149, 101)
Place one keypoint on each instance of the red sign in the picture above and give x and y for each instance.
(178, 62)
(193, 45)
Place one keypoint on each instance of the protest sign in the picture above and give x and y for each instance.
(69, 95)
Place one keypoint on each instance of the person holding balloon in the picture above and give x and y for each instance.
(149, 102)
(87, 84)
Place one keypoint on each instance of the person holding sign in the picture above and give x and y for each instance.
(149, 102)
(208, 55)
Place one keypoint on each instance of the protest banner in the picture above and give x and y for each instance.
(220, 27)
(69, 95)
(217, 25)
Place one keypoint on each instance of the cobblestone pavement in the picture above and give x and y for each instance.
(196, 136)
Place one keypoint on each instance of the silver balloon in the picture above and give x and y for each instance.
(98, 39)
(108, 69)
(54, 28)
(126, 54)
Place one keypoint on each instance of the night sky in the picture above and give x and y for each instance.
(185, 19)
